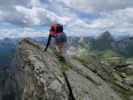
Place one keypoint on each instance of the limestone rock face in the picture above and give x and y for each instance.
(43, 76)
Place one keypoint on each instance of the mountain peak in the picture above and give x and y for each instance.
(106, 34)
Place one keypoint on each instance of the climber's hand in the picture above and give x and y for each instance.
(44, 49)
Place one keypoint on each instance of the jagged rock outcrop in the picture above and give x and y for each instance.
(42, 76)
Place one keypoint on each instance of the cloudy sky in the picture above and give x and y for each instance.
(22, 18)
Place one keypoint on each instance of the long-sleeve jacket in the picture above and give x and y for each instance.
(48, 42)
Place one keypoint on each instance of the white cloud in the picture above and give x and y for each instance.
(4, 33)
(101, 24)
(32, 34)
(121, 18)
(97, 5)
(30, 16)
(113, 15)
(35, 3)
(21, 33)
(118, 21)
(38, 16)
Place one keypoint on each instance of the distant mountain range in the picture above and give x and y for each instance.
(7, 50)
(105, 41)
(124, 45)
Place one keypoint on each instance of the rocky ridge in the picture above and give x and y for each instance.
(42, 76)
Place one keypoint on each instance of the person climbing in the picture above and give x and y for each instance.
(60, 38)
(56, 31)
